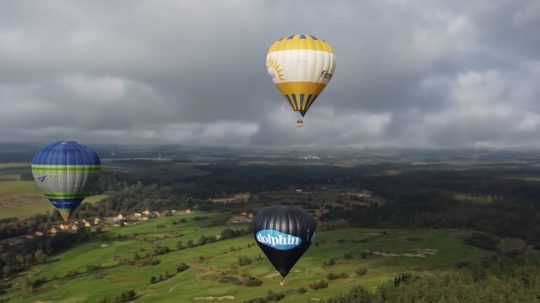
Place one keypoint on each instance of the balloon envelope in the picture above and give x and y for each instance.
(301, 66)
(62, 170)
(283, 233)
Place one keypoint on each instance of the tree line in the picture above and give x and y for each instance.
(494, 280)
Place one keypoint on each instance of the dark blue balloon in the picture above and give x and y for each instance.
(66, 153)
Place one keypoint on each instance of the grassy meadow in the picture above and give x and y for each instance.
(19, 198)
(22, 198)
(101, 268)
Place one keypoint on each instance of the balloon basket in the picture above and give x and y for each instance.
(299, 123)
(282, 283)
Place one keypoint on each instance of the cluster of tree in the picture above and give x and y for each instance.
(508, 247)
(235, 278)
(361, 271)
(149, 258)
(429, 209)
(270, 297)
(329, 262)
(124, 297)
(30, 285)
(161, 250)
(318, 285)
(225, 179)
(416, 198)
(21, 257)
(162, 173)
(356, 295)
(146, 260)
(244, 260)
(229, 233)
(13, 227)
(336, 276)
(4, 287)
(163, 277)
(181, 267)
(251, 281)
(211, 180)
(495, 280)
(136, 198)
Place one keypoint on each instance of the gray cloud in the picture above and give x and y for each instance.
(409, 73)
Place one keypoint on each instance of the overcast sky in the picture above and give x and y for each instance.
(409, 73)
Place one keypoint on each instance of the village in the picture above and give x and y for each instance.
(98, 223)
(346, 200)
(104, 223)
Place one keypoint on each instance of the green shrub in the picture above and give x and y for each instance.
(361, 271)
(181, 267)
(243, 261)
(252, 282)
(318, 285)
(333, 276)
(330, 262)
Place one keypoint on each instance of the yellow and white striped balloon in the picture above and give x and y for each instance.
(301, 66)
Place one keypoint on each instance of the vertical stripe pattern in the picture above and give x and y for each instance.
(301, 66)
(62, 170)
(285, 220)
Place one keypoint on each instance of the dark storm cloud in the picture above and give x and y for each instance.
(409, 73)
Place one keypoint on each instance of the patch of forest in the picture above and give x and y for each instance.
(495, 280)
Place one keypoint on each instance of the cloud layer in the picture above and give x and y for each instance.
(409, 73)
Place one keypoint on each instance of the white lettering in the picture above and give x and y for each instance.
(277, 240)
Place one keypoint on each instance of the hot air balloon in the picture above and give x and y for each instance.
(284, 234)
(62, 170)
(301, 66)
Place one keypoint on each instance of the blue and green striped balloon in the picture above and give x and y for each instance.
(62, 170)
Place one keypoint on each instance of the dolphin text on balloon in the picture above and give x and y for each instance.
(278, 240)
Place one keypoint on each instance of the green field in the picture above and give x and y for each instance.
(214, 267)
(23, 199)
(13, 171)
(19, 198)
(14, 165)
